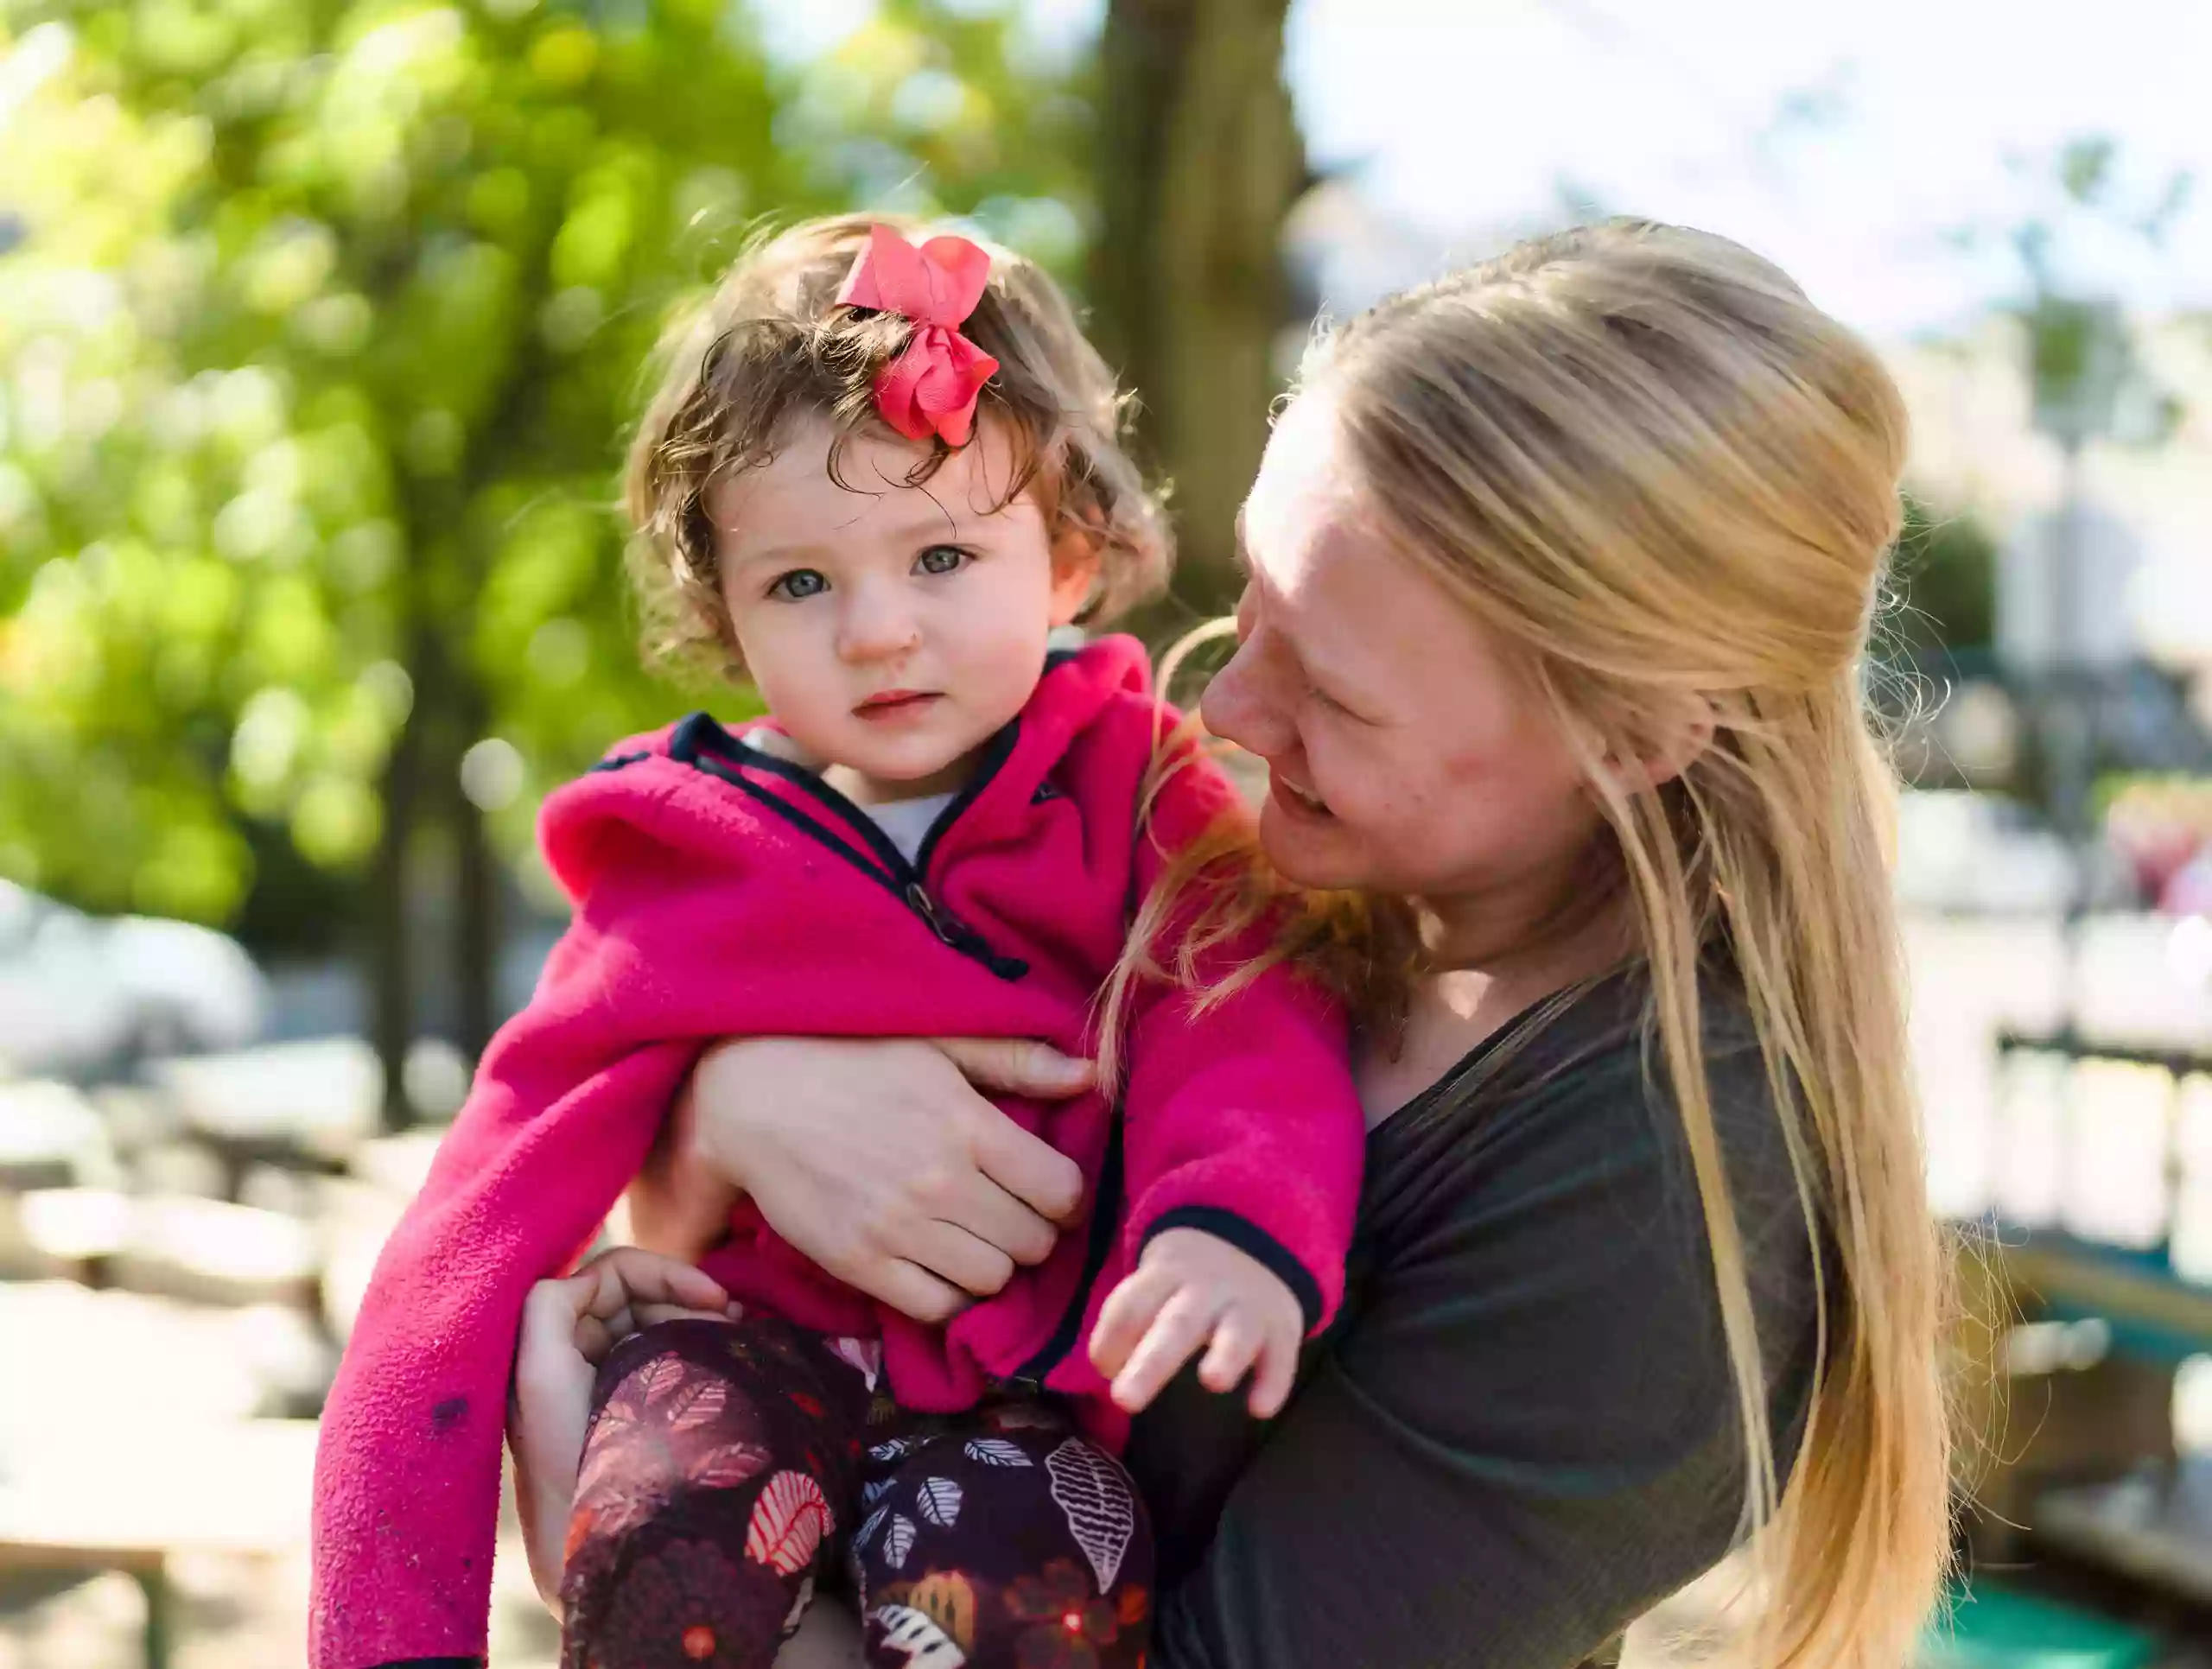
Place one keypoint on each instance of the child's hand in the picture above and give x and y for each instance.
(1189, 1288)
(568, 1328)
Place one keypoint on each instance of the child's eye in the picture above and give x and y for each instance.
(943, 559)
(798, 583)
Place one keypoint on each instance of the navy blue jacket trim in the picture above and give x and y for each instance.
(800, 820)
(861, 823)
(901, 878)
(1254, 1242)
(699, 734)
(996, 753)
(1105, 1225)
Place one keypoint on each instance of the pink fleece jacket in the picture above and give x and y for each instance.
(721, 891)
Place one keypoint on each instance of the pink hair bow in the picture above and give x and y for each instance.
(930, 389)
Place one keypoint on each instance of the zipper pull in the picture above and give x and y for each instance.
(961, 936)
(925, 907)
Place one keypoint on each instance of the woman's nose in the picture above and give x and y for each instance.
(876, 624)
(1237, 707)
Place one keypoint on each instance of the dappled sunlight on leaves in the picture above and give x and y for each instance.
(317, 354)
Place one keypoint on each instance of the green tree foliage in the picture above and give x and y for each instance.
(321, 321)
(2081, 359)
(1943, 583)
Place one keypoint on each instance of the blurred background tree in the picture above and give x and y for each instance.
(1944, 577)
(1199, 162)
(325, 321)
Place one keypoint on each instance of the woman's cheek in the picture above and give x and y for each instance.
(1384, 799)
(1335, 771)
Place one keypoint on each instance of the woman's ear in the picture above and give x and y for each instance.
(1076, 561)
(1670, 740)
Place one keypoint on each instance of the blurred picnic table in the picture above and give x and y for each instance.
(133, 1494)
(302, 1107)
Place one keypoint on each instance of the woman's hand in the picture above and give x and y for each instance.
(877, 1159)
(568, 1328)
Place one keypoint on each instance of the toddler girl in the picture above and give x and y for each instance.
(879, 476)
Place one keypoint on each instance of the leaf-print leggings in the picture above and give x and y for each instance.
(729, 1466)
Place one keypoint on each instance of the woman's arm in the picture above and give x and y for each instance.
(1526, 1435)
(879, 1159)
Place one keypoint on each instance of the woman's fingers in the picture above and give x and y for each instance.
(913, 1290)
(965, 1261)
(989, 1212)
(1166, 1345)
(870, 1156)
(1017, 1066)
(1031, 1169)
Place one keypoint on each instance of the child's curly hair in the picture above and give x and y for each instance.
(770, 344)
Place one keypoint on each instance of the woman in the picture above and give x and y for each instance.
(1560, 571)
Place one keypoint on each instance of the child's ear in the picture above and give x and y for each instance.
(1076, 562)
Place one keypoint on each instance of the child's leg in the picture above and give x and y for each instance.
(1002, 1542)
(717, 1466)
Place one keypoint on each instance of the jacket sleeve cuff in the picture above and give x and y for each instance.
(1255, 1242)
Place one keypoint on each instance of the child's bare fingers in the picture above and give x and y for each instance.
(1237, 1337)
(651, 1314)
(1277, 1373)
(1166, 1345)
(1128, 1310)
(643, 1276)
(596, 1335)
(695, 1289)
(594, 1338)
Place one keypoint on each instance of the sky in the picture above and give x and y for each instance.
(1848, 141)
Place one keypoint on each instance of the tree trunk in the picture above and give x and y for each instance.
(476, 894)
(1199, 162)
(390, 936)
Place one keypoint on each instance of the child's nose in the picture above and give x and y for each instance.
(876, 624)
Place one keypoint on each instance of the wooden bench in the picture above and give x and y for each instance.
(2091, 1472)
(132, 1497)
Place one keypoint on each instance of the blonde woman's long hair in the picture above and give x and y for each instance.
(1643, 458)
